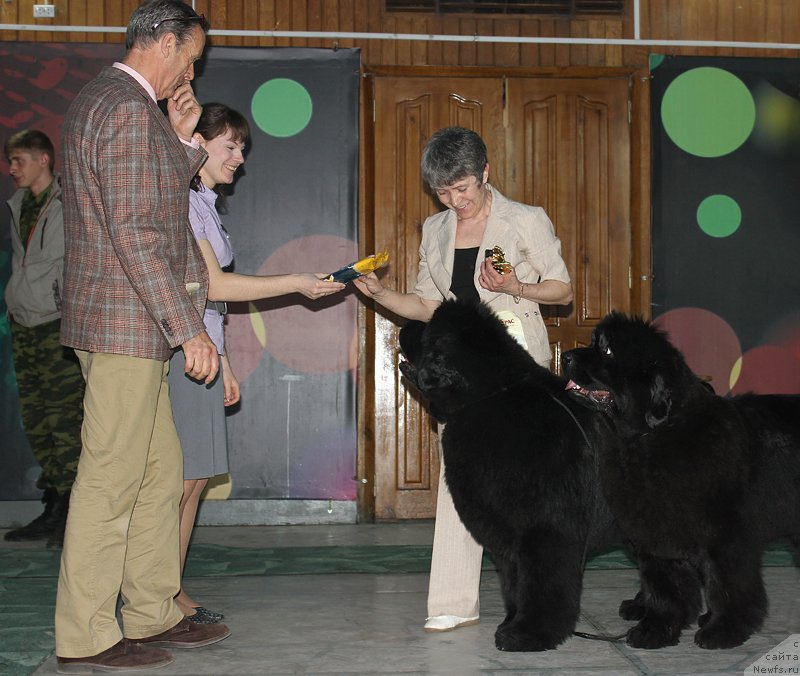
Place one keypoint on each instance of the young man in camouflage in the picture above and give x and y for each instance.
(48, 375)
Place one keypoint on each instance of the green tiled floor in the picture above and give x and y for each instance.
(28, 581)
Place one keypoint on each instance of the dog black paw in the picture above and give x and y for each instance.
(510, 640)
(720, 634)
(703, 619)
(651, 635)
(632, 609)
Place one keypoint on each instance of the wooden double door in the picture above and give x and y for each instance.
(559, 143)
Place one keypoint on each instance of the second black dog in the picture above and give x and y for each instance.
(699, 483)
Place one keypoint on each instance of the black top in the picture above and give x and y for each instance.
(462, 284)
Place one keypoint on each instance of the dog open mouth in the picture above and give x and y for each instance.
(600, 397)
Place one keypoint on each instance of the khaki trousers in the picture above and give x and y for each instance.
(454, 583)
(122, 528)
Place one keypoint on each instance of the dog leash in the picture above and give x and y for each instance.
(600, 637)
(576, 421)
(583, 634)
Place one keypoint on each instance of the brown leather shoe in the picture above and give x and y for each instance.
(122, 656)
(187, 634)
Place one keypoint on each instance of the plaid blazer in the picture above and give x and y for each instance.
(134, 278)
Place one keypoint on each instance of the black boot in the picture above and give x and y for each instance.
(60, 509)
(43, 525)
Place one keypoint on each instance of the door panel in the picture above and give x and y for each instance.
(571, 155)
(562, 144)
(407, 112)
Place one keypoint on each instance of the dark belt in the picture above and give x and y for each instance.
(218, 305)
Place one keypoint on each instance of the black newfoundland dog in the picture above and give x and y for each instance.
(520, 462)
(699, 483)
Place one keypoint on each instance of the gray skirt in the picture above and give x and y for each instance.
(199, 413)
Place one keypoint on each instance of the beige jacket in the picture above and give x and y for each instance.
(526, 235)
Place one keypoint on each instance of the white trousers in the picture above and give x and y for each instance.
(453, 587)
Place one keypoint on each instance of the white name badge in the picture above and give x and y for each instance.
(513, 325)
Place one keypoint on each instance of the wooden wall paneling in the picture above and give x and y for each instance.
(217, 16)
(313, 21)
(645, 20)
(365, 456)
(25, 15)
(8, 15)
(529, 52)
(371, 49)
(579, 54)
(403, 47)
(637, 55)
(562, 52)
(750, 20)
(613, 53)
(468, 51)
(346, 22)
(298, 16)
(251, 20)
(485, 52)
(703, 17)
(76, 16)
(330, 14)
(507, 53)
(233, 20)
(436, 50)
(109, 13)
(420, 49)
(674, 19)
(773, 21)
(790, 22)
(690, 27)
(641, 261)
(596, 54)
(388, 54)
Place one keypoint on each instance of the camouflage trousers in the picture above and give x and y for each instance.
(51, 388)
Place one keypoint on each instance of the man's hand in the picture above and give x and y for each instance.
(184, 111)
(202, 358)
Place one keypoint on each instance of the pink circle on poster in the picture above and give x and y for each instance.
(707, 341)
(769, 369)
(308, 336)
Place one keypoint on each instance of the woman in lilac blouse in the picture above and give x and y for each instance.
(199, 409)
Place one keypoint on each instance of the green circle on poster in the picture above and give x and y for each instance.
(708, 112)
(719, 216)
(281, 107)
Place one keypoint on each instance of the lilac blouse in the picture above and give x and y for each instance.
(206, 225)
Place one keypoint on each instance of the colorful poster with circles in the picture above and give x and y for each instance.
(293, 208)
(37, 83)
(726, 233)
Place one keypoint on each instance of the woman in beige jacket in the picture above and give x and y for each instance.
(452, 264)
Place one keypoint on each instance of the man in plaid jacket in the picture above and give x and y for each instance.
(134, 288)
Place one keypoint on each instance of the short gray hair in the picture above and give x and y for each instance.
(154, 18)
(451, 154)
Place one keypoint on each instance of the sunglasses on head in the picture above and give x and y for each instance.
(201, 19)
